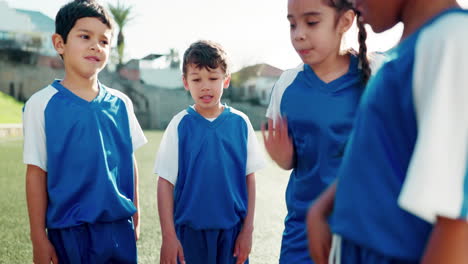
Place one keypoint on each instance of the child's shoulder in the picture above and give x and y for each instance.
(443, 36)
(238, 113)
(41, 97)
(447, 29)
(180, 114)
(292, 73)
(456, 18)
(288, 76)
(451, 22)
(241, 115)
(117, 93)
(175, 121)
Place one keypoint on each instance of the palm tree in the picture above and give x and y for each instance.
(173, 58)
(121, 16)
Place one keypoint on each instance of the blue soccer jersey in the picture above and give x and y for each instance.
(86, 148)
(410, 144)
(320, 117)
(207, 161)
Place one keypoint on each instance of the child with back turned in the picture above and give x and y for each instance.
(79, 141)
(402, 189)
(312, 110)
(206, 164)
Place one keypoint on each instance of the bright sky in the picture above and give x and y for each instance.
(252, 31)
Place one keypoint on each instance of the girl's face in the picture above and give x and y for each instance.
(316, 30)
(380, 14)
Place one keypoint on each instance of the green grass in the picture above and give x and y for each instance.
(10, 109)
(14, 225)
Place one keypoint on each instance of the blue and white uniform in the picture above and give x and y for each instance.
(407, 159)
(320, 117)
(87, 149)
(207, 161)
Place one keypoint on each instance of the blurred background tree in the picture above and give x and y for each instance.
(122, 15)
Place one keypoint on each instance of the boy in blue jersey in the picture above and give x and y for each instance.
(79, 141)
(402, 192)
(206, 164)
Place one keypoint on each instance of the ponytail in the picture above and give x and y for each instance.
(363, 61)
(342, 6)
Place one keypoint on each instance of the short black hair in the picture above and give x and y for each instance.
(74, 10)
(206, 54)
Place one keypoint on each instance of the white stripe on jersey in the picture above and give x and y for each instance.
(434, 185)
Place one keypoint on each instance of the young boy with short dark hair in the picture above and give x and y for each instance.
(206, 164)
(79, 141)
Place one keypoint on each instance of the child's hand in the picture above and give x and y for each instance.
(278, 143)
(318, 235)
(171, 249)
(136, 225)
(44, 252)
(243, 246)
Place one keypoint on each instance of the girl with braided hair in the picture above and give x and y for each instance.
(312, 110)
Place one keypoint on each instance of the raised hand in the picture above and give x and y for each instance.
(278, 143)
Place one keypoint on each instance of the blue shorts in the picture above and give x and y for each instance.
(112, 242)
(294, 246)
(352, 253)
(208, 246)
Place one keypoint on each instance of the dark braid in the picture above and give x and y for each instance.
(341, 6)
(363, 61)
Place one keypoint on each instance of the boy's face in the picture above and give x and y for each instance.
(87, 49)
(206, 87)
(381, 15)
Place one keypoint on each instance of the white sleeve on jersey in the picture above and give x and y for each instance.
(436, 182)
(34, 149)
(255, 155)
(167, 159)
(138, 137)
(274, 108)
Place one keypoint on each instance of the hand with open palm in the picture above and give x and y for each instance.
(278, 143)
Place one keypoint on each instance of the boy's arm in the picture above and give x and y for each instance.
(448, 242)
(244, 240)
(136, 198)
(318, 230)
(36, 196)
(171, 247)
(251, 196)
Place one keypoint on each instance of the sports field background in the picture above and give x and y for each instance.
(10, 109)
(15, 246)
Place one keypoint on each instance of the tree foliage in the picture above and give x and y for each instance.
(122, 15)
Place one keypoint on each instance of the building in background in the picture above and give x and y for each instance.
(26, 30)
(159, 70)
(254, 83)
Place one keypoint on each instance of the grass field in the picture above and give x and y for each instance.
(15, 247)
(10, 109)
